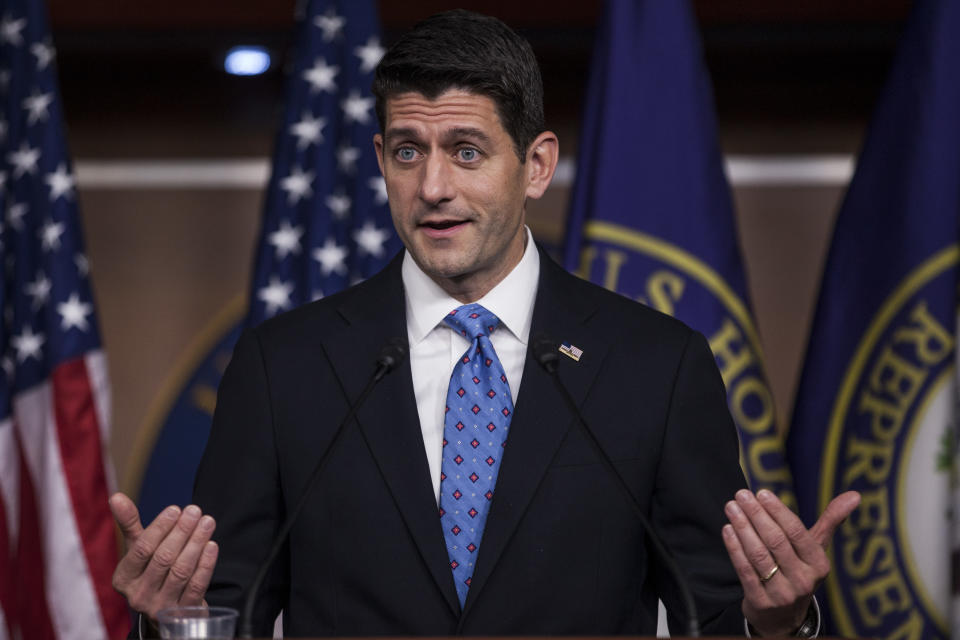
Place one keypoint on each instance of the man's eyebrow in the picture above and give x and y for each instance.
(468, 132)
(400, 132)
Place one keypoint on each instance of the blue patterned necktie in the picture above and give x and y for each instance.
(479, 408)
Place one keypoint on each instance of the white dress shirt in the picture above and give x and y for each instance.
(435, 348)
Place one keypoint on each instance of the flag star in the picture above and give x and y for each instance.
(73, 313)
(347, 157)
(44, 52)
(9, 367)
(27, 344)
(308, 130)
(370, 54)
(286, 240)
(61, 183)
(39, 290)
(15, 213)
(356, 108)
(370, 239)
(297, 185)
(331, 24)
(379, 187)
(317, 294)
(83, 265)
(332, 257)
(339, 204)
(321, 76)
(50, 235)
(37, 106)
(10, 30)
(24, 160)
(276, 295)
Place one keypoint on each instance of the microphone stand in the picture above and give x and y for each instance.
(545, 353)
(392, 354)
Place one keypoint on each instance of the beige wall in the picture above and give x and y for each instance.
(164, 264)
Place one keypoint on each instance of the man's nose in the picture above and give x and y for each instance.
(436, 185)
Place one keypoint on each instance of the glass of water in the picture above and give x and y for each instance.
(197, 623)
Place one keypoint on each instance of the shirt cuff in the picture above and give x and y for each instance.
(809, 629)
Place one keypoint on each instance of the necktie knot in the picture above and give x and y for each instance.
(472, 321)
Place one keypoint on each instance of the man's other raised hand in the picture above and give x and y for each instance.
(169, 563)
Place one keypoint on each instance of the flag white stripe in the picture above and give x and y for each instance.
(99, 378)
(10, 479)
(74, 609)
(9, 495)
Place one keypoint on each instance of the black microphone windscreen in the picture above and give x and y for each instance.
(545, 352)
(392, 354)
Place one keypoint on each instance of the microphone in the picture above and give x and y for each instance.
(391, 355)
(546, 354)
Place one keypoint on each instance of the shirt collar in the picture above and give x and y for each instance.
(511, 299)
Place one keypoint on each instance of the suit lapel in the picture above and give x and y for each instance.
(389, 421)
(541, 419)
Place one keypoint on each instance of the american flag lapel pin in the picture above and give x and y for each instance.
(571, 351)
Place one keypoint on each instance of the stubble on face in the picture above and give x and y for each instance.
(456, 189)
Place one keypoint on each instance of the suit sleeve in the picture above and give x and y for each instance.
(698, 472)
(238, 483)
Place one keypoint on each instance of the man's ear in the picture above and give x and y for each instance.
(378, 147)
(542, 156)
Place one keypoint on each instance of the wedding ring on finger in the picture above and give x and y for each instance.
(765, 579)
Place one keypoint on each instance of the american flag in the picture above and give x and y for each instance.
(57, 539)
(326, 222)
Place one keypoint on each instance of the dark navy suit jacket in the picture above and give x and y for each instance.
(562, 552)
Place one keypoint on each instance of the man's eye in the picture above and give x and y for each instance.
(467, 154)
(406, 154)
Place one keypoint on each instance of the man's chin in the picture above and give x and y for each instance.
(445, 271)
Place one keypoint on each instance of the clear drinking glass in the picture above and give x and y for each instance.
(197, 623)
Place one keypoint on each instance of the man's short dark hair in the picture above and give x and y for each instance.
(465, 50)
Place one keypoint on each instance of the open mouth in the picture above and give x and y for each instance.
(443, 224)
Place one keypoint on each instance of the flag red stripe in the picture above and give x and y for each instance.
(83, 466)
(32, 611)
(6, 571)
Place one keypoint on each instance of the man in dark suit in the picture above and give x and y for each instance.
(470, 502)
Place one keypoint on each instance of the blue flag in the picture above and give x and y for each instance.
(651, 215)
(326, 224)
(876, 406)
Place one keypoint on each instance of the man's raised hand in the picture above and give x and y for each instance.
(779, 561)
(169, 563)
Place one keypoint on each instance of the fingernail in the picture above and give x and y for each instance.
(206, 523)
(192, 511)
(733, 509)
(744, 496)
(172, 512)
(765, 495)
(728, 530)
(210, 548)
